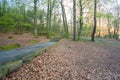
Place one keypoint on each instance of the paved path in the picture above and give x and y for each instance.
(9, 55)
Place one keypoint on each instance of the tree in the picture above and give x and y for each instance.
(4, 7)
(109, 17)
(35, 17)
(81, 19)
(116, 22)
(94, 29)
(50, 6)
(0, 8)
(99, 16)
(64, 20)
(116, 28)
(74, 20)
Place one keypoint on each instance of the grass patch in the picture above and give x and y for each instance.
(107, 42)
(33, 41)
(10, 37)
(36, 36)
(8, 47)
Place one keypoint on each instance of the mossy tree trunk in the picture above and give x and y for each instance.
(81, 19)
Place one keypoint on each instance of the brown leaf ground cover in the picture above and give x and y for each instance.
(72, 61)
(25, 39)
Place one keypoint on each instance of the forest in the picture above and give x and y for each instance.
(79, 39)
(57, 18)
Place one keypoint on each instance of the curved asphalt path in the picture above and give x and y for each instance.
(14, 54)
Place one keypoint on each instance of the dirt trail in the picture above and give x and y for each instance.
(73, 61)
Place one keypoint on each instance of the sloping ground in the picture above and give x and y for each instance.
(25, 39)
(73, 61)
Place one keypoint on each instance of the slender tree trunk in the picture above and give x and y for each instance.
(48, 10)
(64, 20)
(66, 24)
(99, 24)
(49, 16)
(0, 8)
(74, 20)
(109, 33)
(81, 19)
(35, 17)
(24, 13)
(99, 27)
(4, 4)
(118, 25)
(94, 29)
(114, 32)
(63, 16)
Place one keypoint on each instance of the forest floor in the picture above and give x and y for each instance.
(25, 39)
(72, 60)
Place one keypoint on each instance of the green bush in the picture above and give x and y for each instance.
(6, 24)
(87, 30)
(53, 34)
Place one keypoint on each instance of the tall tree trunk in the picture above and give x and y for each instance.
(49, 16)
(35, 17)
(74, 20)
(109, 33)
(4, 4)
(66, 24)
(63, 16)
(0, 8)
(64, 20)
(47, 25)
(81, 19)
(118, 25)
(99, 23)
(94, 29)
(24, 13)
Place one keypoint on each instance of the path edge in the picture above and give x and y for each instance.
(12, 66)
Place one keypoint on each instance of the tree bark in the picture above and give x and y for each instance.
(35, 18)
(81, 19)
(0, 8)
(47, 25)
(74, 20)
(109, 33)
(94, 29)
(49, 16)
(99, 23)
(64, 20)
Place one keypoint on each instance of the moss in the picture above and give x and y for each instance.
(9, 67)
(3, 71)
(10, 37)
(12, 66)
(8, 47)
(53, 34)
(33, 55)
(33, 41)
